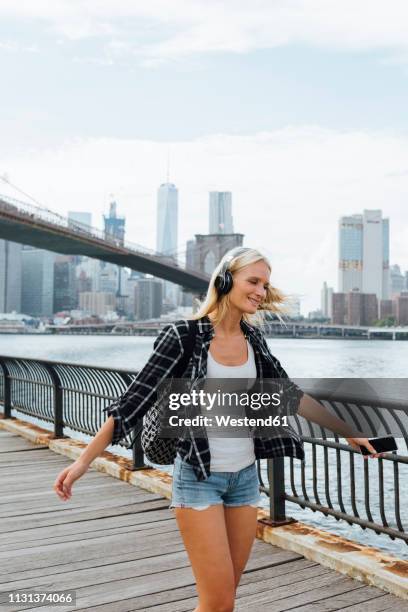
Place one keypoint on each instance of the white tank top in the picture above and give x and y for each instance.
(231, 454)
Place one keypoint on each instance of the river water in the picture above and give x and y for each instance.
(301, 358)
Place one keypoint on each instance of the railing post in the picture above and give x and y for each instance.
(7, 391)
(276, 478)
(138, 455)
(58, 413)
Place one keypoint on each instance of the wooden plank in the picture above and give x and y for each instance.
(28, 532)
(56, 505)
(38, 560)
(11, 460)
(141, 504)
(131, 522)
(18, 444)
(380, 604)
(279, 599)
(358, 597)
(108, 538)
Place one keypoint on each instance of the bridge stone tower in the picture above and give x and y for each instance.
(210, 248)
(207, 250)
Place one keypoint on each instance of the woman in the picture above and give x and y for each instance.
(215, 485)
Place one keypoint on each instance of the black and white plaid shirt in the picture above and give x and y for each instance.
(133, 404)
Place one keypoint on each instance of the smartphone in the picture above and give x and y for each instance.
(381, 445)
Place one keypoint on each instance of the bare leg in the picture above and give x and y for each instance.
(205, 538)
(241, 524)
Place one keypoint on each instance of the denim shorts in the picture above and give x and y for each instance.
(239, 488)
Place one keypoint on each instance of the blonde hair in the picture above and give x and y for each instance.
(274, 300)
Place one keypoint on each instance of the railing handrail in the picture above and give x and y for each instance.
(70, 363)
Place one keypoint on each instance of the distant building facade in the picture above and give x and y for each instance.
(364, 254)
(362, 308)
(167, 233)
(386, 309)
(400, 309)
(114, 225)
(148, 299)
(220, 209)
(354, 308)
(339, 309)
(99, 304)
(190, 254)
(131, 287)
(397, 280)
(65, 296)
(326, 298)
(10, 276)
(37, 296)
(167, 219)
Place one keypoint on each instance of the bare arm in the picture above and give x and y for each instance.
(67, 477)
(101, 440)
(312, 410)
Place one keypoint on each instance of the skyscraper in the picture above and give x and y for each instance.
(397, 280)
(148, 298)
(114, 230)
(64, 283)
(167, 219)
(114, 225)
(38, 282)
(221, 212)
(364, 253)
(350, 253)
(10, 276)
(167, 232)
(326, 300)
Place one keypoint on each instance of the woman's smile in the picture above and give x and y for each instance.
(254, 301)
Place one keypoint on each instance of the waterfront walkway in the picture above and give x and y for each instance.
(119, 548)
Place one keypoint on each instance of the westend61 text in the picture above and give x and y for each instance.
(208, 400)
(228, 421)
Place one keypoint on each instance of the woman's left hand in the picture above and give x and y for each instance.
(357, 442)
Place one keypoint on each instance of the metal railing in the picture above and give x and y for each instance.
(338, 483)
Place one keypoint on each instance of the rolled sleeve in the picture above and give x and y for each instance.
(113, 411)
(128, 409)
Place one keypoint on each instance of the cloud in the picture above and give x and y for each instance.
(12, 46)
(289, 188)
(159, 30)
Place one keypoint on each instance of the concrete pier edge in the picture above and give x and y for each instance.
(366, 564)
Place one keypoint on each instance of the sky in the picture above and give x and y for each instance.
(298, 107)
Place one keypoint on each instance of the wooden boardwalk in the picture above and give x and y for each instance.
(120, 549)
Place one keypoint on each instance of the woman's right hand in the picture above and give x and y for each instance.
(66, 478)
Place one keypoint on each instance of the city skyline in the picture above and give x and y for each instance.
(302, 128)
(354, 243)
